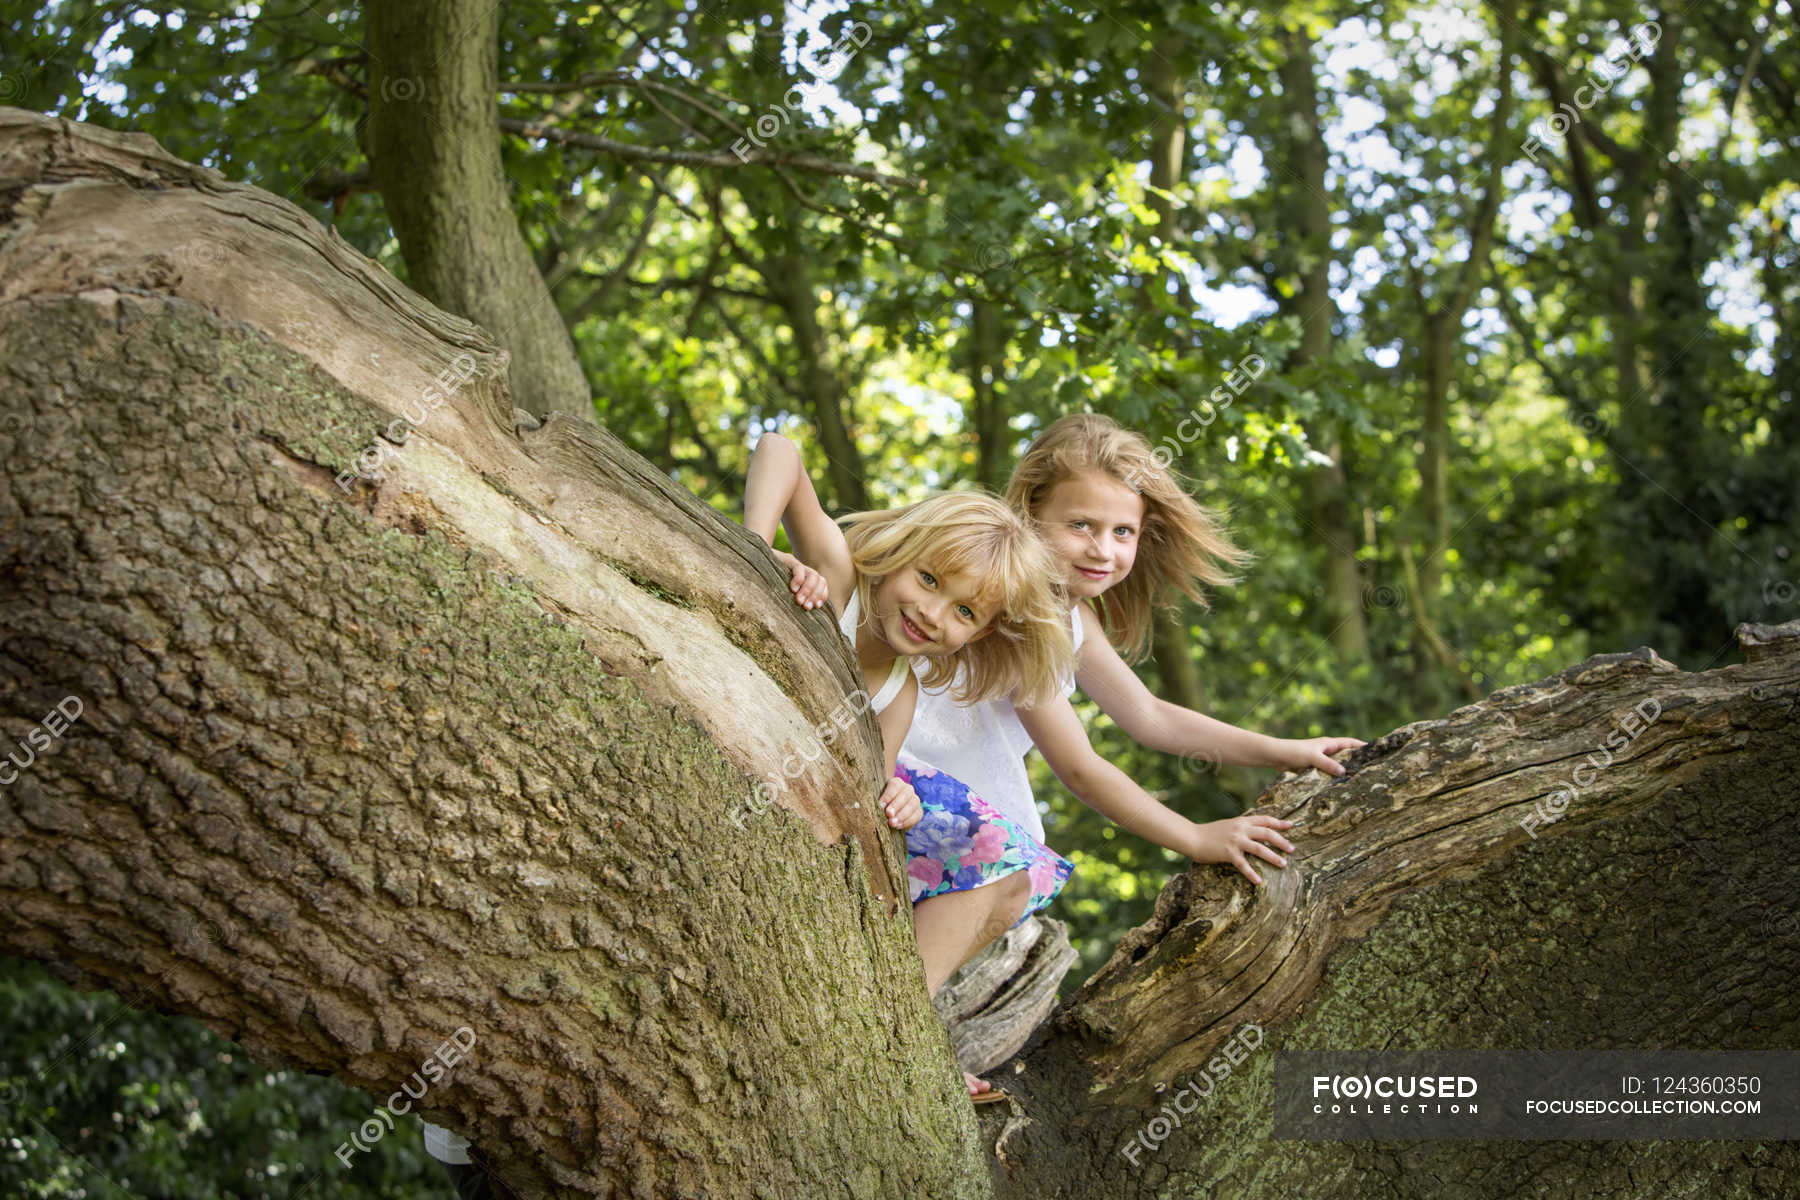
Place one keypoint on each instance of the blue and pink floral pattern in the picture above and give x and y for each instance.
(963, 842)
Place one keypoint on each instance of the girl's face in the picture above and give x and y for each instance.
(1092, 522)
(919, 611)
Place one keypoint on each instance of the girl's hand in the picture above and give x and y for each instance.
(901, 804)
(1235, 838)
(1298, 754)
(807, 584)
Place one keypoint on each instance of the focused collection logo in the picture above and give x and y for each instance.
(1390, 1094)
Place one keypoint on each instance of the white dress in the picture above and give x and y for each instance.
(984, 745)
(896, 678)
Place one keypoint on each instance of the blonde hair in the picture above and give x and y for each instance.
(1025, 651)
(1181, 546)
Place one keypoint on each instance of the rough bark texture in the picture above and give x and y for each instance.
(999, 998)
(434, 151)
(1419, 913)
(464, 746)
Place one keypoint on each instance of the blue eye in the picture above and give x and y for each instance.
(967, 612)
(930, 581)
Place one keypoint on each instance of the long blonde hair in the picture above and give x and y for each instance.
(1181, 547)
(1026, 651)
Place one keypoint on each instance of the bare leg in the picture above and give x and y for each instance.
(952, 928)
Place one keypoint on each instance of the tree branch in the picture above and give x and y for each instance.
(635, 81)
(333, 71)
(1481, 228)
(703, 158)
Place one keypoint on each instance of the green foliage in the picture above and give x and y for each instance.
(101, 1100)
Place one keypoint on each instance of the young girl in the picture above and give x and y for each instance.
(1125, 532)
(961, 587)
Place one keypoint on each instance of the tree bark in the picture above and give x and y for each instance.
(463, 747)
(434, 150)
(1420, 913)
(994, 1002)
(466, 742)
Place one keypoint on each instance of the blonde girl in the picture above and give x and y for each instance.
(1126, 534)
(960, 589)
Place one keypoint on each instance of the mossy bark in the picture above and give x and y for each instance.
(1426, 910)
(467, 741)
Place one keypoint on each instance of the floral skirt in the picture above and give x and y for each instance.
(963, 842)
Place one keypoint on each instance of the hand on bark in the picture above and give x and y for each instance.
(1235, 838)
(807, 584)
(1297, 754)
(901, 804)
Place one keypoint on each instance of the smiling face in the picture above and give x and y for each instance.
(919, 611)
(1093, 522)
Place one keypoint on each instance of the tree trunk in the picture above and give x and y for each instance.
(988, 417)
(468, 741)
(464, 746)
(1175, 670)
(1420, 913)
(790, 282)
(434, 152)
(1177, 674)
(1324, 488)
(1441, 324)
(1668, 428)
(994, 1002)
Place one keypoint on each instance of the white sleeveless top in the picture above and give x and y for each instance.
(984, 745)
(896, 679)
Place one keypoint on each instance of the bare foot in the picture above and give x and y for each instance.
(976, 1084)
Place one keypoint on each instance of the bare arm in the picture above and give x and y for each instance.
(895, 720)
(1059, 734)
(1154, 722)
(777, 490)
(899, 802)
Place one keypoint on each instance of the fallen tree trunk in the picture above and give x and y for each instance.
(375, 740)
(1603, 859)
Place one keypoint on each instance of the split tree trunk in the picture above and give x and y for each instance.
(1426, 910)
(468, 744)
